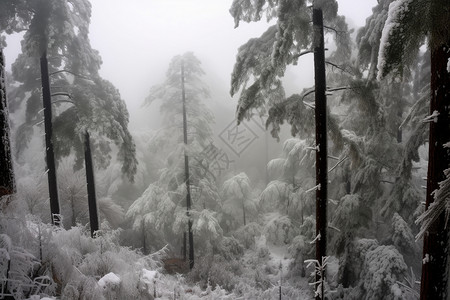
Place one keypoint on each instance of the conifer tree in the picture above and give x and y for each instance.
(402, 36)
(56, 48)
(261, 64)
(187, 132)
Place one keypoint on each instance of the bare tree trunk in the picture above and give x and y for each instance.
(434, 283)
(186, 173)
(321, 142)
(243, 212)
(90, 181)
(50, 155)
(7, 182)
(144, 240)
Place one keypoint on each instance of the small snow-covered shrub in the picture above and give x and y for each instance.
(82, 287)
(351, 262)
(263, 253)
(21, 269)
(278, 229)
(216, 271)
(262, 281)
(229, 248)
(383, 267)
(247, 234)
(299, 249)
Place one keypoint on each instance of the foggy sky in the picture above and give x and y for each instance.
(138, 38)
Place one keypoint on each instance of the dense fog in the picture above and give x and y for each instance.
(224, 149)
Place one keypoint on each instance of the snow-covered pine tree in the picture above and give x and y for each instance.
(237, 200)
(403, 34)
(261, 64)
(60, 29)
(380, 177)
(162, 205)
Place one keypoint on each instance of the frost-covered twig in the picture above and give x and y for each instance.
(410, 286)
(317, 187)
(332, 201)
(338, 163)
(303, 53)
(338, 67)
(440, 205)
(320, 268)
(431, 118)
(62, 94)
(39, 123)
(310, 105)
(317, 238)
(411, 110)
(332, 227)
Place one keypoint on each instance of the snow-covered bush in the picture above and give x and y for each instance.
(216, 270)
(278, 229)
(21, 270)
(229, 248)
(238, 204)
(247, 234)
(299, 249)
(206, 229)
(383, 267)
(352, 260)
(375, 272)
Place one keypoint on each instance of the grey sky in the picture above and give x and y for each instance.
(137, 39)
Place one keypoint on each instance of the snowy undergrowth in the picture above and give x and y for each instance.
(255, 274)
(80, 267)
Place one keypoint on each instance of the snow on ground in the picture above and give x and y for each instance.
(260, 279)
(109, 279)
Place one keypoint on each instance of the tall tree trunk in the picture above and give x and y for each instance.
(243, 212)
(50, 155)
(186, 173)
(90, 181)
(7, 182)
(321, 142)
(184, 246)
(434, 283)
(72, 206)
(144, 240)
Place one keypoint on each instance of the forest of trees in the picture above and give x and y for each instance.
(355, 206)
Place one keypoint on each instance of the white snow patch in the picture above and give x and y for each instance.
(396, 291)
(148, 276)
(109, 279)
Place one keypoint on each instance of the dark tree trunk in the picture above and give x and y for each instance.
(7, 182)
(186, 173)
(243, 212)
(90, 181)
(144, 240)
(72, 206)
(50, 155)
(321, 140)
(184, 246)
(436, 241)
